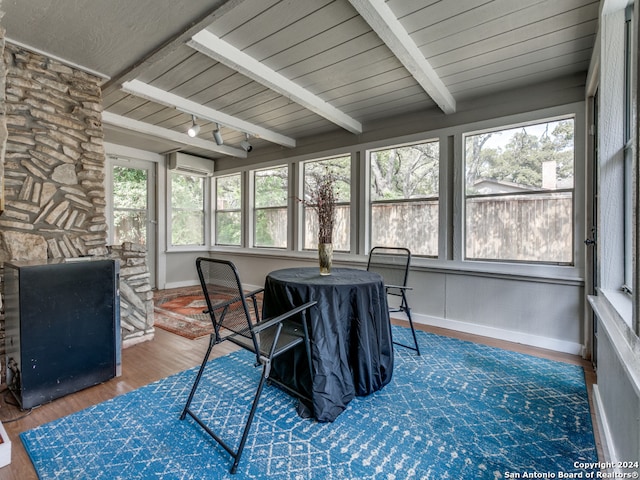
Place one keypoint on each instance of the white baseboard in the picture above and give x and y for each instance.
(186, 283)
(475, 329)
(5, 447)
(603, 426)
(169, 286)
(498, 333)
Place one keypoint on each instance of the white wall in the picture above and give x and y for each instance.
(617, 393)
(541, 305)
(533, 311)
(534, 305)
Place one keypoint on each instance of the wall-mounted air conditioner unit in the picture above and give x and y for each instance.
(190, 165)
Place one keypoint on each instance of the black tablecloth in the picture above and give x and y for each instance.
(351, 345)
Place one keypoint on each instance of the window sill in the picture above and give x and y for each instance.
(555, 274)
(614, 311)
(564, 275)
(187, 248)
(620, 303)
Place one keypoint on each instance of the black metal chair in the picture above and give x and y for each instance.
(393, 263)
(227, 305)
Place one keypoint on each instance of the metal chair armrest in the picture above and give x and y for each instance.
(218, 306)
(399, 287)
(254, 293)
(275, 320)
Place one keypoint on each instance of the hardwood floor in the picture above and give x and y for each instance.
(142, 364)
(165, 355)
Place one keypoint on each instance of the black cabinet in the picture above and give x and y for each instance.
(62, 327)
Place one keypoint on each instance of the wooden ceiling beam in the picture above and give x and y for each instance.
(167, 134)
(157, 95)
(386, 25)
(211, 45)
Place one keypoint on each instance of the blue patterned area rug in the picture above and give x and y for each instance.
(461, 411)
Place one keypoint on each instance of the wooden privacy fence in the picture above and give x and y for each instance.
(533, 227)
(413, 225)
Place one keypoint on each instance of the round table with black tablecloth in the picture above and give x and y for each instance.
(351, 344)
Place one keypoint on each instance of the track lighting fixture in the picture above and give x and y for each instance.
(217, 136)
(245, 144)
(194, 129)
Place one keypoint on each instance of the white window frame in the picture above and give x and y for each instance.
(215, 210)
(451, 200)
(170, 209)
(372, 203)
(255, 209)
(628, 206)
(303, 210)
(572, 190)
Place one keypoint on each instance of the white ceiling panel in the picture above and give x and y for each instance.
(323, 50)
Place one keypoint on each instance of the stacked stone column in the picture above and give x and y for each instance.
(53, 168)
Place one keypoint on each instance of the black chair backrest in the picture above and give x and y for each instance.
(225, 298)
(392, 263)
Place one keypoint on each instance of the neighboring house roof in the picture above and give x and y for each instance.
(487, 186)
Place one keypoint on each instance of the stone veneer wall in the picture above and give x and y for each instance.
(3, 146)
(136, 297)
(54, 171)
(3, 118)
(54, 162)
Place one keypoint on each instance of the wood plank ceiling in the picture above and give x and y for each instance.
(283, 70)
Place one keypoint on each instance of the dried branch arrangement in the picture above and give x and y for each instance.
(323, 200)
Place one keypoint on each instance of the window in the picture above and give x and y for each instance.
(228, 213)
(130, 210)
(340, 168)
(187, 209)
(271, 193)
(628, 151)
(404, 197)
(519, 193)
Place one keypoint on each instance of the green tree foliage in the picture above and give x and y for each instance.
(129, 188)
(187, 192)
(187, 207)
(517, 155)
(271, 187)
(228, 214)
(404, 187)
(228, 192)
(340, 171)
(228, 228)
(334, 173)
(405, 172)
(271, 197)
(479, 157)
(129, 205)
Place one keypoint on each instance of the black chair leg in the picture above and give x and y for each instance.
(243, 440)
(404, 307)
(247, 427)
(307, 343)
(198, 377)
(413, 330)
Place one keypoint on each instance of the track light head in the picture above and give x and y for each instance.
(217, 135)
(245, 144)
(194, 129)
